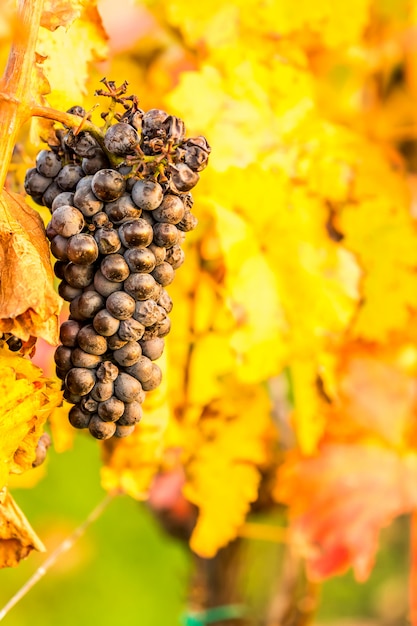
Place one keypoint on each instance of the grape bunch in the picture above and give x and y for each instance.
(121, 205)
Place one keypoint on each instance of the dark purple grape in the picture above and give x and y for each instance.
(50, 194)
(93, 164)
(110, 410)
(67, 292)
(88, 405)
(132, 414)
(165, 301)
(90, 303)
(104, 286)
(120, 305)
(128, 354)
(79, 418)
(107, 372)
(108, 240)
(35, 184)
(183, 178)
(114, 342)
(64, 198)
(147, 194)
(142, 370)
(121, 139)
(140, 259)
(83, 144)
(140, 286)
(158, 252)
(135, 233)
(90, 341)
(153, 348)
(154, 380)
(82, 249)
(165, 235)
(130, 330)
(127, 388)
(174, 128)
(83, 359)
(189, 222)
(123, 431)
(102, 391)
(152, 122)
(69, 176)
(48, 163)
(79, 276)
(59, 267)
(59, 246)
(164, 274)
(147, 312)
(77, 110)
(105, 324)
(85, 199)
(66, 220)
(114, 268)
(80, 381)
(62, 357)
(100, 429)
(175, 256)
(171, 210)
(68, 333)
(122, 209)
(72, 397)
(108, 185)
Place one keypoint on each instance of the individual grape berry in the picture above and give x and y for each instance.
(90, 303)
(140, 259)
(121, 139)
(147, 312)
(147, 194)
(135, 233)
(165, 235)
(197, 152)
(164, 274)
(127, 388)
(59, 246)
(152, 122)
(140, 286)
(85, 199)
(100, 429)
(175, 256)
(83, 144)
(50, 232)
(79, 276)
(105, 324)
(189, 222)
(108, 240)
(163, 327)
(154, 380)
(82, 249)
(83, 359)
(74, 312)
(79, 418)
(59, 267)
(147, 216)
(122, 209)
(108, 185)
(130, 330)
(68, 333)
(50, 194)
(100, 220)
(69, 176)
(66, 220)
(120, 305)
(80, 381)
(35, 184)
(183, 178)
(123, 431)
(104, 286)
(110, 410)
(171, 210)
(128, 354)
(64, 198)
(90, 341)
(114, 268)
(114, 342)
(107, 372)
(102, 391)
(61, 373)
(77, 110)
(131, 415)
(48, 163)
(174, 128)
(153, 348)
(158, 252)
(88, 405)
(93, 164)
(62, 357)
(67, 292)
(142, 370)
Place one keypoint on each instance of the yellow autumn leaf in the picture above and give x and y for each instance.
(229, 440)
(17, 537)
(28, 399)
(29, 305)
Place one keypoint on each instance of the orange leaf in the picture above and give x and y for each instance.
(339, 501)
(17, 537)
(28, 302)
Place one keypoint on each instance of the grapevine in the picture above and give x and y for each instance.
(120, 205)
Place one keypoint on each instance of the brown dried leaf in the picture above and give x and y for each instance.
(17, 537)
(28, 302)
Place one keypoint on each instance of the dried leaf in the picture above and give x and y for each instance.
(28, 302)
(60, 12)
(17, 537)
